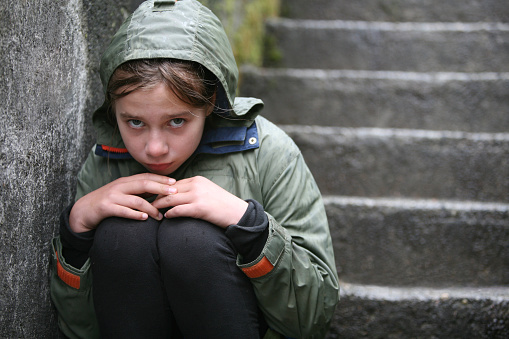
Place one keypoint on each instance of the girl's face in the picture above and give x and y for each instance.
(159, 130)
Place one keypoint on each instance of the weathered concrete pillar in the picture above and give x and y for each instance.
(49, 56)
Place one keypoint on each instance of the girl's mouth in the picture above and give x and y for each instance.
(158, 167)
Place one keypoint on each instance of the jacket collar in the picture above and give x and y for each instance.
(219, 140)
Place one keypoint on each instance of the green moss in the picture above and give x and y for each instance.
(249, 40)
(272, 54)
(243, 21)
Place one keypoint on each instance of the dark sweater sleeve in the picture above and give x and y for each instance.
(250, 234)
(75, 246)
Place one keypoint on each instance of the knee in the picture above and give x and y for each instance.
(123, 240)
(187, 242)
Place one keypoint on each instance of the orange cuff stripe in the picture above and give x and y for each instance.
(114, 149)
(259, 269)
(70, 279)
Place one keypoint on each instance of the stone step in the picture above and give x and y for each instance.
(374, 162)
(359, 45)
(399, 10)
(403, 242)
(471, 102)
(383, 312)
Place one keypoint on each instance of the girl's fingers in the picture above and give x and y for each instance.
(128, 213)
(171, 200)
(152, 177)
(141, 186)
(120, 198)
(189, 184)
(182, 211)
(134, 207)
(200, 198)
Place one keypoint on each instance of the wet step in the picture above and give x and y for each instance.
(385, 312)
(360, 45)
(403, 242)
(398, 10)
(472, 102)
(375, 162)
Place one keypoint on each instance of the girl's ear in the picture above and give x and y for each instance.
(210, 109)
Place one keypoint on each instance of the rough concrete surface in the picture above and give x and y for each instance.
(406, 163)
(416, 177)
(399, 10)
(383, 312)
(407, 46)
(403, 242)
(474, 102)
(49, 54)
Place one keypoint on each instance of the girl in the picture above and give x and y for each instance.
(194, 216)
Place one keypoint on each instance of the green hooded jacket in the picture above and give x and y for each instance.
(294, 278)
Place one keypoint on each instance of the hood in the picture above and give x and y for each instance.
(185, 30)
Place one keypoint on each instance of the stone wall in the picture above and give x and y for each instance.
(49, 53)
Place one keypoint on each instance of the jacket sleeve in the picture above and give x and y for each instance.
(71, 293)
(295, 277)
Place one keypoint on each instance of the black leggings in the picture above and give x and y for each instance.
(170, 279)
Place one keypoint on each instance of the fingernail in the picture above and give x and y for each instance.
(172, 181)
(172, 190)
(160, 216)
(144, 216)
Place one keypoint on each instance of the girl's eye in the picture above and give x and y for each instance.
(177, 122)
(135, 123)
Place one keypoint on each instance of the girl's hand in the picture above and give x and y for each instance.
(120, 198)
(200, 198)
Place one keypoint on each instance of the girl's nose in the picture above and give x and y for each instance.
(156, 146)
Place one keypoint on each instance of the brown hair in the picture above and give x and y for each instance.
(190, 82)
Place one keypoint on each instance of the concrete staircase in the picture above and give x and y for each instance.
(401, 109)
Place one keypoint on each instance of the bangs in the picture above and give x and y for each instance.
(189, 81)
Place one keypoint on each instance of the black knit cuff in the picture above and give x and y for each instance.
(75, 246)
(250, 234)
